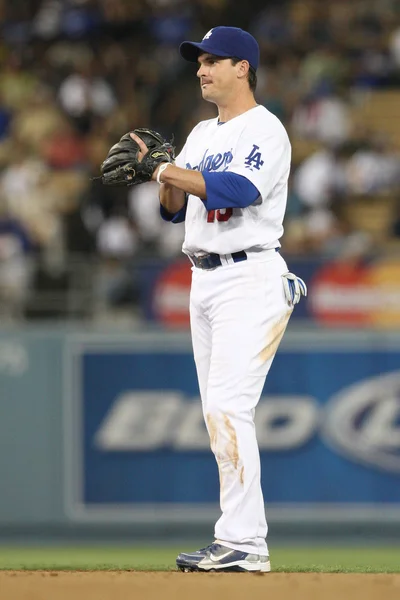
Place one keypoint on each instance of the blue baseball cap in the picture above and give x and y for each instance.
(226, 42)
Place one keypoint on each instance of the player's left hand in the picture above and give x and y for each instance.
(135, 158)
(294, 288)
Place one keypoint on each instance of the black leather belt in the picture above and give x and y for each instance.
(212, 261)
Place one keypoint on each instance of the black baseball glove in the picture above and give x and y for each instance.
(122, 165)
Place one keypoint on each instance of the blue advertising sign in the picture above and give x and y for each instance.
(328, 426)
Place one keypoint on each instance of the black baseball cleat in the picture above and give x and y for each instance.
(220, 558)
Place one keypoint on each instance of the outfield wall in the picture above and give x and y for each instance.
(103, 432)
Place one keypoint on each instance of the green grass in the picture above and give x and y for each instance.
(321, 559)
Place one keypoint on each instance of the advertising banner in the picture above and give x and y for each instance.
(328, 426)
(343, 292)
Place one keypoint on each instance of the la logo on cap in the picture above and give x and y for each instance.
(208, 34)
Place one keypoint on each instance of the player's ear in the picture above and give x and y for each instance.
(243, 68)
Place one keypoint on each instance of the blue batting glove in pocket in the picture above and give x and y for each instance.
(294, 288)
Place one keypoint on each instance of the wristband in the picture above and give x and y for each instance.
(161, 170)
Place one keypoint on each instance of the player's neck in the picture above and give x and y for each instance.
(235, 107)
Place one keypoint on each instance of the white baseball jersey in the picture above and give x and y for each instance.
(255, 145)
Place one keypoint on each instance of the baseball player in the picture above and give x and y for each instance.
(229, 185)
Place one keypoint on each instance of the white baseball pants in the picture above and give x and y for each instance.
(238, 316)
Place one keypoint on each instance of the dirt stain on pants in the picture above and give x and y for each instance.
(274, 337)
(228, 454)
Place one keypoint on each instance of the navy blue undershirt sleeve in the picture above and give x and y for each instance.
(178, 217)
(228, 190)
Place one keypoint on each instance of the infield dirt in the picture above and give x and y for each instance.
(123, 585)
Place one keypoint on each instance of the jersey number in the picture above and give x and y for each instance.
(221, 216)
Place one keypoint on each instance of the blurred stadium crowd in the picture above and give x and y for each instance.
(77, 74)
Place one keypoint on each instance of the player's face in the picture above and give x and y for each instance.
(218, 77)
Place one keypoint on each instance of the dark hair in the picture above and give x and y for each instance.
(251, 76)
